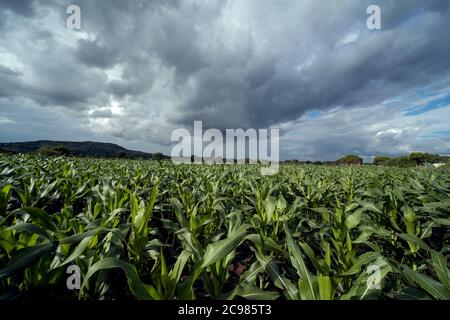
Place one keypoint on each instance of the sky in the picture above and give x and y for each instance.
(137, 70)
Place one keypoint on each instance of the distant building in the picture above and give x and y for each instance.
(437, 165)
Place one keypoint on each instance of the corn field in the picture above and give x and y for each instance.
(155, 230)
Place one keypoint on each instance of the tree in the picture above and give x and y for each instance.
(122, 155)
(381, 160)
(350, 159)
(419, 158)
(400, 162)
(53, 150)
(158, 156)
(62, 150)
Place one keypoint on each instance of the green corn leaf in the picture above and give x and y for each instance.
(218, 250)
(440, 266)
(371, 207)
(4, 198)
(289, 289)
(80, 236)
(326, 289)
(30, 228)
(81, 247)
(312, 257)
(138, 289)
(40, 218)
(23, 258)
(363, 287)
(415, 240)
(434, 288)
(177, 270)
(251, 292)
(353, 219)
(441, 221)
(307, 279)
(261, 241)
(362, 260)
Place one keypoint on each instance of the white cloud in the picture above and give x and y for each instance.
(4, 120)
(348, 38)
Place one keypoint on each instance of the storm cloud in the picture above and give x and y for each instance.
(139, 69)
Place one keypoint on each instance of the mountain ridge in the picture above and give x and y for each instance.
(78, 148)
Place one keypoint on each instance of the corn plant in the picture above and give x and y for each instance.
(140, 229)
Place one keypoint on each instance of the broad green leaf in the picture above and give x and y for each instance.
(440, 266)
(326, 289)
(30, 228)
(371, 207)
(364, 286)
(434, 288)
(353, 219)
(289, 289)
(81, 247)
(307, 290)
(220, 249)
(362, 260)
(41, 218)
(415, 240)
(138, 289)
(182, 259)
(251, 292)
(261, 241)
(4, 198)
(443, 222)
(80, 236)
(25, 257)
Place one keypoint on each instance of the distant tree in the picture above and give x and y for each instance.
(350, 159)
(415, 159)
(158, 156)
(319, 163)
(62, 150)
(122, 155)
(53, 150)
(381, 160)
(400, 162)
(435, 158)
(419, 158)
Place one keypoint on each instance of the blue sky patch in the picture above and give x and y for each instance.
(313, 114)
(435, 104)
(436, 134)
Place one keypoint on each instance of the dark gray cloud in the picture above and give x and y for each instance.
(21, 7)
(101, 114)
(139, 69)
(94, 54)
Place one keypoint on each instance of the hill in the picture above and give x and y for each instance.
(79, 149)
